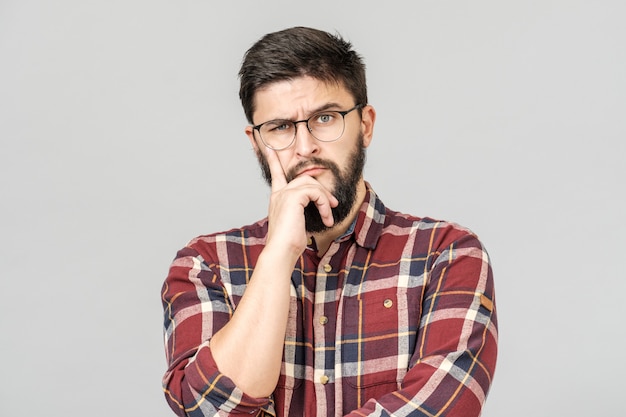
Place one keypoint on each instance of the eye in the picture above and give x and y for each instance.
(324, 118)
(278, 126)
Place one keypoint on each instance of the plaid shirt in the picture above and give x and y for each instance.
(396, 319)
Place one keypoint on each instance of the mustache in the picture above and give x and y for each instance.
(310, 162)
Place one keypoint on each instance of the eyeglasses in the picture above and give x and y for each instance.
(325, 126)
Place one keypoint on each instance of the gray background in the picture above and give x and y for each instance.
(121, 137)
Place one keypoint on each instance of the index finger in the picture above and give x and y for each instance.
(279, 180)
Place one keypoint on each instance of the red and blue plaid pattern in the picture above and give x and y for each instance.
(397, 319)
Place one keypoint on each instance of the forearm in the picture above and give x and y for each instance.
(454, 384)
(249, 348)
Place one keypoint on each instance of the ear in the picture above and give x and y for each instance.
(250, 133)
(368, 119)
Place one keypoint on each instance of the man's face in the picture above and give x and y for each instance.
(337, 165)
(345, 186)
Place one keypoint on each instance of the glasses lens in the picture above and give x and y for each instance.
(278, 134)
(327, 126)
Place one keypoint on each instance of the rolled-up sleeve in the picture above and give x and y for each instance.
(196, 305)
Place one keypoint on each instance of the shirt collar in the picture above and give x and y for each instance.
(368, 225)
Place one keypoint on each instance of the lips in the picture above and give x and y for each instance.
(311, 171)
(311, 167)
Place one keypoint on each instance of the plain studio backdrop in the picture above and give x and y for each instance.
(121, 138)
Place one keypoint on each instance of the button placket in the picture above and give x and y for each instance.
(324, 332)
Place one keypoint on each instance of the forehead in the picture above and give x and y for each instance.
(298, 97)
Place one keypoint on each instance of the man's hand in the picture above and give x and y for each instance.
(286, 210)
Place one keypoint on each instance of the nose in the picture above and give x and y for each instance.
(306, 144)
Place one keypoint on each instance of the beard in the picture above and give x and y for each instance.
(344, 190)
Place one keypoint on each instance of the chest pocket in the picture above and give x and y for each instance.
(379, 334)
(379, 329)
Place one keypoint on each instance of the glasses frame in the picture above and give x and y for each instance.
(306, 121)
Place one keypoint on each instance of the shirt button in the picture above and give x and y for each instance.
(323, 379)
(388, 303)
(328, 268)
(323, 320)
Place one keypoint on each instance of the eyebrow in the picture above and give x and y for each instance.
(327, 106)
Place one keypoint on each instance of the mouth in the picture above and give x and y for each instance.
(311, 171)
(310, 168)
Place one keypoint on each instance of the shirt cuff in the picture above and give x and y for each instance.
(213, 386)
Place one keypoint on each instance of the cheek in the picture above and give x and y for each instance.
(344, 161)
(286, 159)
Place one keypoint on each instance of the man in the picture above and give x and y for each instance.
(334, 304)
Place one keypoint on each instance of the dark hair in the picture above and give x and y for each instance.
(297, 52)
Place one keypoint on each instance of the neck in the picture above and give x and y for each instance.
(324, 239)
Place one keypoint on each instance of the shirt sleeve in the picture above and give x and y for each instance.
(196, 305)
(452, 368)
